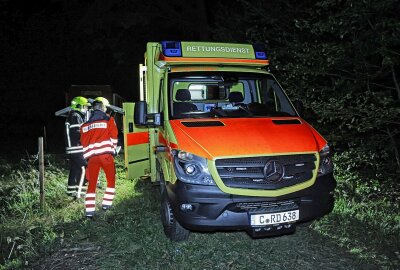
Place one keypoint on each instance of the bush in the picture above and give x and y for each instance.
(26, 229)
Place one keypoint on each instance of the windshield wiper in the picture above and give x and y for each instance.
(218, 112)
(244, 108)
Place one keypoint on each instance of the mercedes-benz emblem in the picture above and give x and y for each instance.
(274, 171)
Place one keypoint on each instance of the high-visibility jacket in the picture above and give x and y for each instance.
(99, 135)
(74, 121)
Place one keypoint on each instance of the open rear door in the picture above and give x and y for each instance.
(136, 142)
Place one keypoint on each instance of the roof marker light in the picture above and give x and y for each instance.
(261, 55)
(171, 48)
(260, 52)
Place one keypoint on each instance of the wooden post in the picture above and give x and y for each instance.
(41, 172)
(45, 138)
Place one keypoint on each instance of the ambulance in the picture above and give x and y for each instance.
(229, 150)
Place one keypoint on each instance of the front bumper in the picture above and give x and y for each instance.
(212, 209)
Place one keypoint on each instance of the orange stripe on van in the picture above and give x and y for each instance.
(137, 138)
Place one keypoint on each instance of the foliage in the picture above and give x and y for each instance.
(27, 230)
(341, 58)
(131, 236)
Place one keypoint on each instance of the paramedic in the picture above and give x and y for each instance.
(99, 137)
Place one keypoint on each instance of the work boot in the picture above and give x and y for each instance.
(106, 207)
(89, 215)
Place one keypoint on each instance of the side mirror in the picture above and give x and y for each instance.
(140, 113)
(299, 107)
(142, 118)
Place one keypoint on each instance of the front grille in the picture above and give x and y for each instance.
(268, 172)
(263, 207)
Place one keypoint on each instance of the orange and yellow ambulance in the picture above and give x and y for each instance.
(230, 151)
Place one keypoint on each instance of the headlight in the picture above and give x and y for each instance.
(325, 161)
(191, 169)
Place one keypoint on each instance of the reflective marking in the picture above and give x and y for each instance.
(108, 203)
(137, 138)
(94, 126)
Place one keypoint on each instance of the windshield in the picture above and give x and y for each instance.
(226, 94)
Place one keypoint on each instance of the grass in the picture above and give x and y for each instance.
(26, 230)
(131, 235)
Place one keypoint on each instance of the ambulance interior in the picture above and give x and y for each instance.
(203, 95)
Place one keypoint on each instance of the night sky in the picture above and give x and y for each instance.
(48, 45)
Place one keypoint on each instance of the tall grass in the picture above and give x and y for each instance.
(361, 232)
(366, 217)
(26, 230)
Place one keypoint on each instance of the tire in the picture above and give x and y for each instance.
(172, 229)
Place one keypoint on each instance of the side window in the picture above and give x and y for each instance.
(268, 96)
(272, 100)
(273, 96)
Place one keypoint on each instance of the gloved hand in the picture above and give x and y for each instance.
(116, 151)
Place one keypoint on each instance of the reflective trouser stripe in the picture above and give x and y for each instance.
(106, 202)
(90, 203)
(109, 195)
(72, 189)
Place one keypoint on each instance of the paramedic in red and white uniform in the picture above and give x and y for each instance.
(99, 137)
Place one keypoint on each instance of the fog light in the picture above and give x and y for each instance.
(186, 207)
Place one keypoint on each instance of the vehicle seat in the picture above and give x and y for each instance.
(236, 98)
(183, 95)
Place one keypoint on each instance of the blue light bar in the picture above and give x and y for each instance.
(260, 51)
(171, 48)
(261, 55)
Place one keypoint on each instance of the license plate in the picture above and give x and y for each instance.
(274, 218)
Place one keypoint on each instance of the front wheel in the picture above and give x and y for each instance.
(172, 228)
